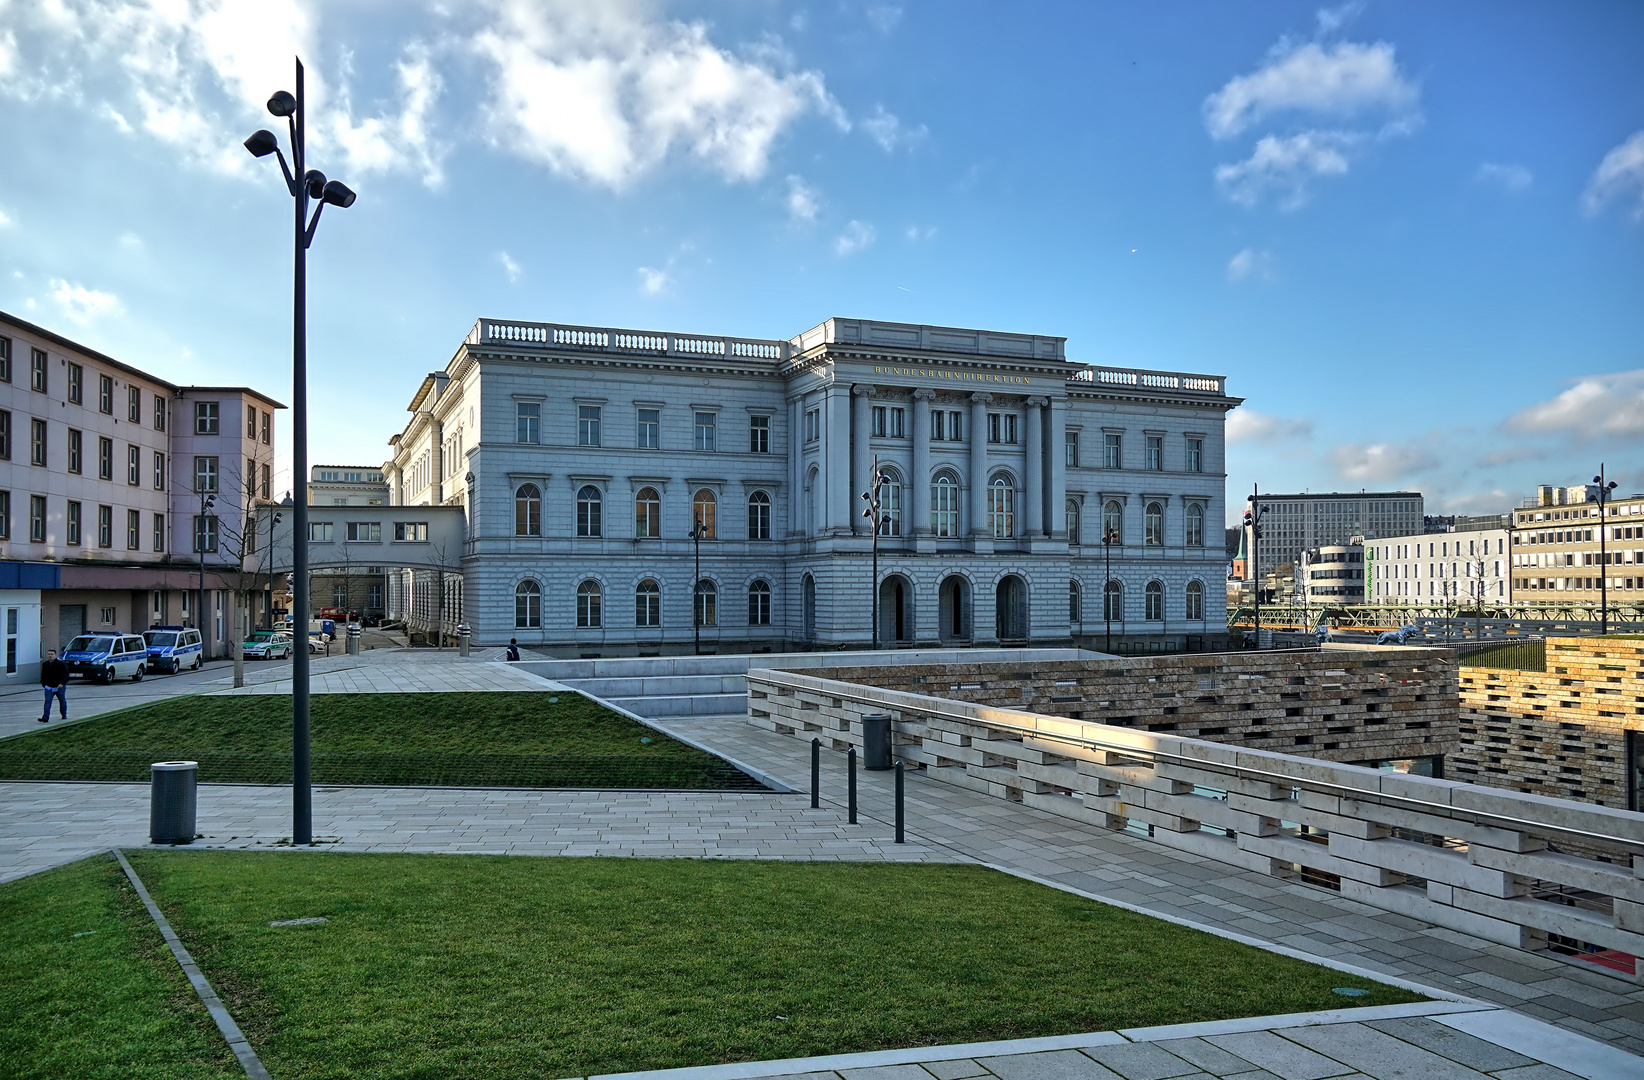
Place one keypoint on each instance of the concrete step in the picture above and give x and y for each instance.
(661, 685)
(656, 708)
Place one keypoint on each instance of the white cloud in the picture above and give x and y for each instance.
(653, 282)
(82, 304)
(885, 129)
(602, 93)
(1288, 164)
(1333, 19)
(884, 17)
(1380, 462)
(803, 201)
(1594, 407)
(395, 142)
(1250, 264)
(1339, 80)
(5, 220)
(1246, 425)
(509, 266)
(915, 234)
(1507, 177)
(1621, 173)
(857, 236)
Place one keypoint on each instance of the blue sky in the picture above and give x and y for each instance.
(1412, 236)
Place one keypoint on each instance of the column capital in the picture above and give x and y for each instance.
(864, 390)
(924, 393)
(1038, 402)
(981, 398)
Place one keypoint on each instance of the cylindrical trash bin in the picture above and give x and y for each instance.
(463, 633)
(876, 742)
(171, 801)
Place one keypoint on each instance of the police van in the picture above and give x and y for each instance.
(173, 648)
(107, 657)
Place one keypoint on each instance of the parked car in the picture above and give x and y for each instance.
(107, 657)
(172, 648)
(266, 645)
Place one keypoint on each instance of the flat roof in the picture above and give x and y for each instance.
(1343, 495)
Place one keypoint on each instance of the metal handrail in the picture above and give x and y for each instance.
(1247, 772)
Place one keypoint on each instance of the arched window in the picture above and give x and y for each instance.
(1073, 521)
(944, 505)
(1155, 601)
(1113, 522)
(1154, 524)
(1195, 599)
(813, 520)
(1001, 508)
(527, 606)
(759, 604)
(890, 504)
(1113, 602)
(1074, 603)
(707, 603)
(648, 604)
(759, 516)
(588, 604)
(702, 513)
(588, 511)
(647, 517)
(1195, 525)
(528, 511)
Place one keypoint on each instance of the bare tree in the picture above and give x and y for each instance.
(236, 568)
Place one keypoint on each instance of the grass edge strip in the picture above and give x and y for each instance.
(208, 997)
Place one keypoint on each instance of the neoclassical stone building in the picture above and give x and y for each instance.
(586, 458)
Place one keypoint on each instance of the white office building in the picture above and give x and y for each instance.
(1293, 524)
(1440, 569)
(641, 492)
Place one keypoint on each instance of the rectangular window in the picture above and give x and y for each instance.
(159, 532)
(1111, 448)
(105, 459)
(37, 442)
(5, 513)
(759, 434)
(528, 422)
(993, 427)
(267, 429)
(159, 412)
(37, 519)
(898, 423)
(813, 425)
(250, 478)
(880, 421)
(1010, 427)
(263, 488)
(5, 435)
(205, 533)
(73, 520)
(105, 394)
(134, 465)
(1195, 455)
(134, 404)
(587, 425)
(205, 418)
(159, 471)
(1155, 452)
(1071, 441)
(5, 359)
(205, 474)
(37, 370)
(134, 530)
(105, 526)
(251, 421)
(76, 383)
(705, 430)
(319, 532)
(649, 421)
(411, 532)
(365, 532)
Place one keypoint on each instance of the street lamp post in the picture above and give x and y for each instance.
(1253, 521)
(201, 532)
(273, 520)
(305, 184)
(696, 588)
(1604, 490)
(873, 512)
(1108, 540)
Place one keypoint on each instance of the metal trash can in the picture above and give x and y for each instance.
(352, 645)
(876, 742)
(172, 801)
(463, 634)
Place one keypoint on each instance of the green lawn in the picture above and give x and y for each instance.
(470, 740)
(483, 967)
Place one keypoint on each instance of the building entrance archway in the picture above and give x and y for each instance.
(808, 590)
(895, 610)
(1011, 609)
(953, 603)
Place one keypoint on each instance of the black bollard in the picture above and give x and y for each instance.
(851, 754)
(816, 773)
(898, 802)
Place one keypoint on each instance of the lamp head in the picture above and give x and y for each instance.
(314, 179)
(262, 143)
(281, 103)
(338, 194)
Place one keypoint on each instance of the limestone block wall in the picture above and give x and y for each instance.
(1473, 859)
(1343, 703)
(1562, 732)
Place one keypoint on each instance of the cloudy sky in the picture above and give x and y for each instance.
(1412, 236)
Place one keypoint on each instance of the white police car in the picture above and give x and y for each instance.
(107, 656)
(173, 648)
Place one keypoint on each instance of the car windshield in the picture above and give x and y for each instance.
(259, 635)
(161, 638)
(88, 643)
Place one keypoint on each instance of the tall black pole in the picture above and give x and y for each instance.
(1107, 583)
(1603, 552)
(875, 615)
(302, 796)
(199, 542)
(696, 591)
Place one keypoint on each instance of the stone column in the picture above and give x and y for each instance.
(861, 456)
(1057, 437)
(979, 463)
(919, 482)
(836, 449)
(1034, 474)
(796, 462)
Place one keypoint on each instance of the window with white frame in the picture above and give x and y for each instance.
(527, 422)
(944, 505)
(705, 425)
(1001, 508)
(587, 425)
(649, 423)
